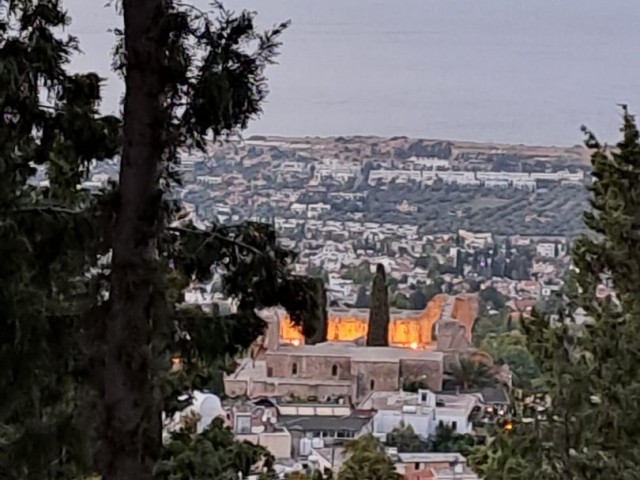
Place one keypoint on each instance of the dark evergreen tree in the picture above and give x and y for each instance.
(91, 283)
(586, 425)
(214, 453)
(418, 300)
(318, 318)
(378, 332)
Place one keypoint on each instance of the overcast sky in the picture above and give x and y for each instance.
(519, 71)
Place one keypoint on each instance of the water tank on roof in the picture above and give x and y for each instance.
(208, 407)
(305, 447)
(409, 409)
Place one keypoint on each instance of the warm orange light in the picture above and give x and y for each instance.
(296, 342)
(508, 426)
(414, 346)
(176, 363)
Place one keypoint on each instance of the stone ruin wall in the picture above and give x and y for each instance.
(406, 330)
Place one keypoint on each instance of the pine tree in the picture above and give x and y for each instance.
(378, 333)
(50, 238)
(91, 283)
(587, 425)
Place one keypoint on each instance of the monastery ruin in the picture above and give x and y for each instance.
(421, 345)
(408, 328)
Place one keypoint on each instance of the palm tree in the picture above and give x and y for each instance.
(472, 374)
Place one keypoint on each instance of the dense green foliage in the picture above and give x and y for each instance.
(91, 283)
(470, 374)
(446, 440)
(50, 238)
(367, 461)
(510, 349)
(379, 318)
(405, 439)
(214, 453)
(588, 425)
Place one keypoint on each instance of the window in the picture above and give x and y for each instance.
(454, 425)
(269, 371)
(416, 466)
(294, 369)
(334, 370)
(372, 384)
(243, 424)
(434, 332)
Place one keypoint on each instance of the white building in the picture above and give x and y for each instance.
(423, 411)
(546, 249)
(430, 163)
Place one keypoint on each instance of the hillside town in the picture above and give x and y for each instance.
(348, 206)
(246, 245)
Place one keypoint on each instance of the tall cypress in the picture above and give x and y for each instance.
(378, 333)
(316, 332)
(590, 426)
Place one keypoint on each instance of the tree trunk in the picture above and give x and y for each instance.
(132, 429)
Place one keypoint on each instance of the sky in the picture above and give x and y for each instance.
(513, 71)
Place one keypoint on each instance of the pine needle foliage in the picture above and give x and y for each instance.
(92, 282)
(583, 422)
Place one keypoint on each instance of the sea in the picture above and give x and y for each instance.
(511, 71)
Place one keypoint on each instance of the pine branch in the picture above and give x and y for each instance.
(46, 209)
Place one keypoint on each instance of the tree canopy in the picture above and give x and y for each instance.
(91, 284)
(469, 374)
(583, 423)
(405, 439)
(367, 461)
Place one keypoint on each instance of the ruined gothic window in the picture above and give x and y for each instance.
(294, 369)
(434, 332)
(334, 370)
(372, 384)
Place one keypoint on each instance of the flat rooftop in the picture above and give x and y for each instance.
(363, 313)
(431, 457)
(396, 400)
(361, 353)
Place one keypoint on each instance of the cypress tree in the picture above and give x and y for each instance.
(589, 425)
(316, 326)
(378, 332)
